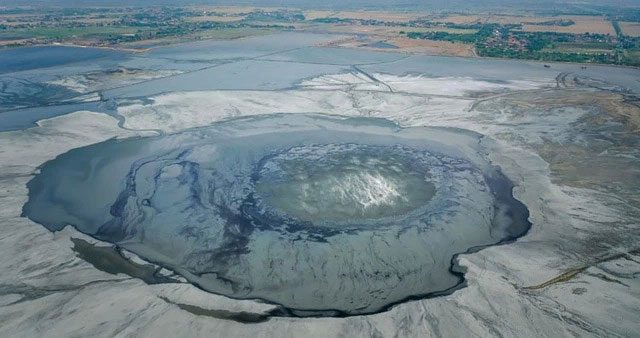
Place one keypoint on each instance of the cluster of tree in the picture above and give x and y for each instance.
(279, 15)
(179, 30)
(484, 31)
(443, 36)
(617, 28)
(494, 40)
(603, 57)
(559, 22)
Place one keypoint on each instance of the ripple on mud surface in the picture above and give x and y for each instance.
(323, 215)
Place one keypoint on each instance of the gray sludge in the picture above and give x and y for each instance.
(321, 214)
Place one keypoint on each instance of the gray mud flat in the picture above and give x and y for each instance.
(322, 215)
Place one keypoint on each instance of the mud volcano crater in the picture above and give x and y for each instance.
(322, 215)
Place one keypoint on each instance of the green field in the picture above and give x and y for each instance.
(586, 48)
(65, 32)
(632, 57)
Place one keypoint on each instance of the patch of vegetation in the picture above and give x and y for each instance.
(110, 26)
(61, 33)
(443, 36)
(559, 22)
(281, 15)
(480, 35)
(617, 28)
(508, 41)
(331, 20)
(631, 58)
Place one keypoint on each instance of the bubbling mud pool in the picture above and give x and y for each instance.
(344, 183)
(322, 215)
